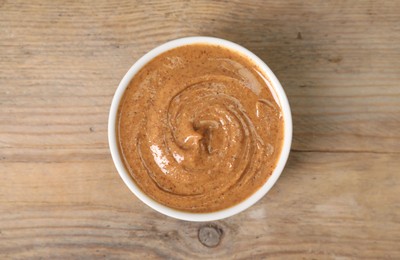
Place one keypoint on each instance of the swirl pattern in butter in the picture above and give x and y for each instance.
(199, 128)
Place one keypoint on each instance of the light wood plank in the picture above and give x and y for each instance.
(325, 205)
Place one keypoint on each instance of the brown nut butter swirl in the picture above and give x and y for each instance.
(199, 128)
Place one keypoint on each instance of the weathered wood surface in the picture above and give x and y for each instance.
(60, 195)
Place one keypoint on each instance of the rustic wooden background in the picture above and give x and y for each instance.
(61, 196)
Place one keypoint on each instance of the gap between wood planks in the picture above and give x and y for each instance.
(44, 159)
(342, 151)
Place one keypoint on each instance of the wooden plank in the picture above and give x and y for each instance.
(325, 205)
(341, 76)
(61, 61)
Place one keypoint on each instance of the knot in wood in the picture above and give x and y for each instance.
(210, 235)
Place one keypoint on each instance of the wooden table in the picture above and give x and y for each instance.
(61, 196)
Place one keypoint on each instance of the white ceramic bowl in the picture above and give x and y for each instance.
(112, 138)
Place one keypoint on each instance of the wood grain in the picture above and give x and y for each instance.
(60, 194)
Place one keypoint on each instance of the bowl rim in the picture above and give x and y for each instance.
(188, 216)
